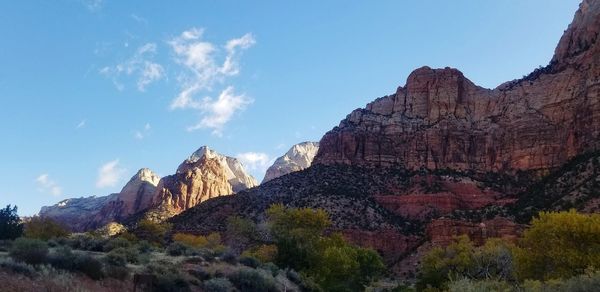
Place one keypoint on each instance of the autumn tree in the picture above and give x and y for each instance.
(44, 229)
(302, 244)
(559, 245)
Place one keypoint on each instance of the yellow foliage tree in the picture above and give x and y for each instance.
(559, 245)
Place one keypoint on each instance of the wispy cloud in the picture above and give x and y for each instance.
(109, 174)
(141, 134)
(93, 5)
(81, 124)
(203, 69)
(217, 112)
(140, 66)
(47, 185)
(138, 18)
(255, 161)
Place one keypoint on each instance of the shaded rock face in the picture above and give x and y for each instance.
(299, 157)
(204, 175)
(440, 119)
(444, 231)
(93, 212)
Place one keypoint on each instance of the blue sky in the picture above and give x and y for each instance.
(92, 90)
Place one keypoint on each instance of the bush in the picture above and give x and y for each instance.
(271, 267)
(118, 242)
(152, 231)
(62, 258)
(116, 258)
(468, 285)
(250, 262)
(117, 272)
(178, 249)
(264, 253)
(89, 266)
(86, 242)
(168, 277)
(218, 285)
(130, 255)
(31, 251)
(11, 226)
(144, 246)
(246, 279)
(229, 257)
(44, 228)
(17, 267)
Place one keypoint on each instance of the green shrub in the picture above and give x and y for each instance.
(86, 242)
(130, 255)
(271, 267)
(89, 266)
(178, 249)
(117, 272)
(168, 276)
(17, 267)
(250, 262)
(44, 228)
(144, 246)
(229, 257)
(468, 285)
(31, 251)
(116, 258)
(63, 258)
(118, 242)
(246, 279)
(218, 285)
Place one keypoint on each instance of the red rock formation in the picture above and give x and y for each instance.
(192, 185)
(391, 243)
(440, 119)
(443, 231)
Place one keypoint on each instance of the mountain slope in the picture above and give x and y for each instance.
(440, 147)
(82, 214)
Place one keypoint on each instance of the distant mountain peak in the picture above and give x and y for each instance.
(299, 157)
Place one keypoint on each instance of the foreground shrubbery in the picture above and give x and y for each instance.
(559, 252)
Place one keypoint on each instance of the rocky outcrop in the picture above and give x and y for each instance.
(235, 173)
(299, 157)
(93, 212)
(204, 175)
(440, 119)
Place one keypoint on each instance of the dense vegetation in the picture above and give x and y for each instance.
(292, 252)
(559, 252)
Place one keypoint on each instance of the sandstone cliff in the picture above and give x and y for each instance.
(299, 157)
(440, 119)
(204, 175)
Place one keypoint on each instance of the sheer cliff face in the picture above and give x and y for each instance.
(204, 175)
(440, 119)
(299, 157)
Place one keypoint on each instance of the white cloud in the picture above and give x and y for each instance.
(255, 161)
(217, 112)
(47, 185)
(203, 70)
(109, 174)
(138, 66)
(81, 124)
